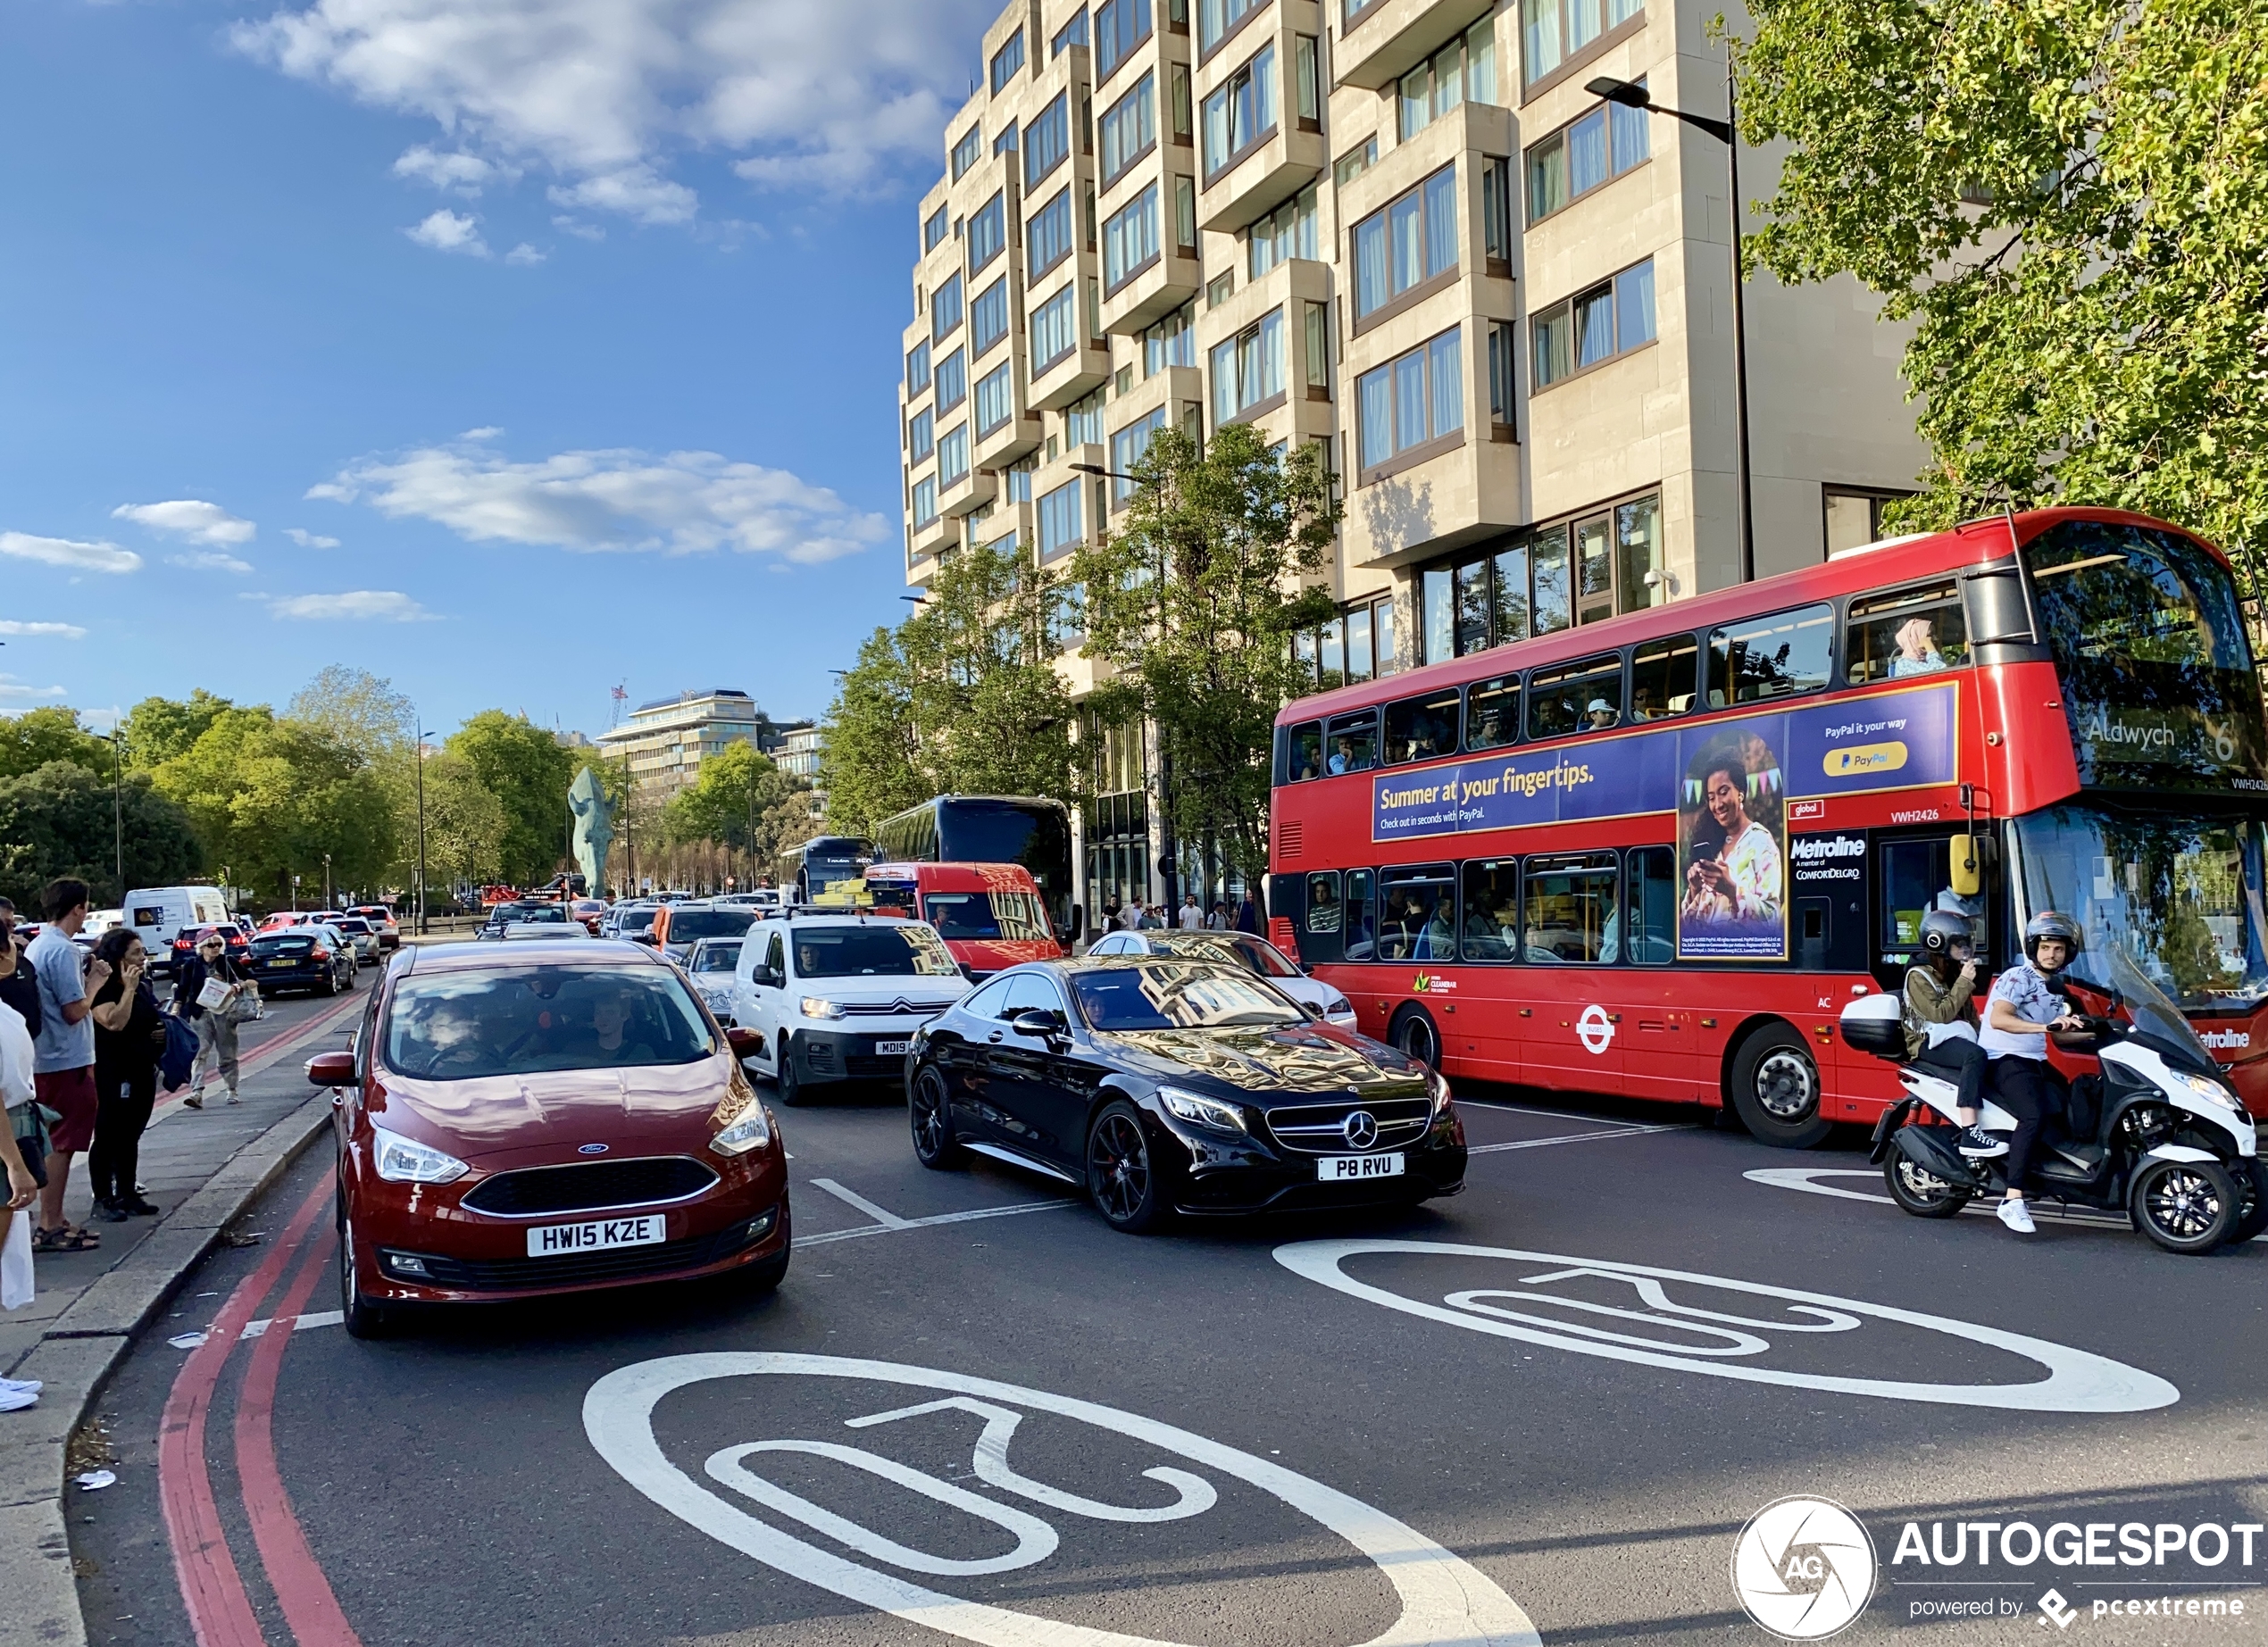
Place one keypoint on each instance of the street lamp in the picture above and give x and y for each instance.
(1630, 95)
(327, 898)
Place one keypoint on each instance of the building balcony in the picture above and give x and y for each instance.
(1179, 391)
(925, 541)
(1170, 277)
(1378, 44)
(969, 494)
(1260, 170)
(1085, 365)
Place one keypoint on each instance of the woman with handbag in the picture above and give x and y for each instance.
(211, 992)
(129, 1033)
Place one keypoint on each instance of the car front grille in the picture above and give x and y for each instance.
(892, 1009)
(586, 1186)
(1321, 1128)
(512, 1275)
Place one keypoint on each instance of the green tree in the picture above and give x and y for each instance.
(871, 759)
(38, 736)
(528, 771)
(2071, 205)
(1193, 605)
(270, 798)
(57, 820)
(356, 708)
(465, 825)
(157, 729)
(726, 798)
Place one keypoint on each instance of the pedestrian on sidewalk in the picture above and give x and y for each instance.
(17, 988)
(1192, 913)
(63, 1057)
(129, 1034)
(16, 1096)
(1216, 919)
(1248, 915)
(215, 1025)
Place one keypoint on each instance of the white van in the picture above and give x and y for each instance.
(156, 913)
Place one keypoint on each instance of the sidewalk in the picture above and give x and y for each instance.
(203, 1168)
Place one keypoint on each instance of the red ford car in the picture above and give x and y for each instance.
(990, 915)
(541, 1118)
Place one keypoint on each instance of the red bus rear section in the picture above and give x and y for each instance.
(1656, 855)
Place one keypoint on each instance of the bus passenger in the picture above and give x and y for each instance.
(1742, 881)
(1917, 649)
(1598, 715)
(1343, 761)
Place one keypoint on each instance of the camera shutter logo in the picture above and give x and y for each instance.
(1804, 1568)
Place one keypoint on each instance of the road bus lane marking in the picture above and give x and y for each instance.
(2077, 1381)
(1443, 1598)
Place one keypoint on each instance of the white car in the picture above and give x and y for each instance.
(363, 937)
(712, 967)
(838, 997)
(1238, 949)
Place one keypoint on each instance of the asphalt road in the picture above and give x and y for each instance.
(1230, 1433)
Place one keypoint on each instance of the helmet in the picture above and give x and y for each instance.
(2049, 924)
(1941, 930)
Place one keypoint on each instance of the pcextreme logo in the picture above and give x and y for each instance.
(1804, 1568)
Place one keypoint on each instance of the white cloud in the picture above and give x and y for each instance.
(457, 171)
(310, 540)
(523, 254)
(14, 691)
(835, 94)
(209, 561)
(683, 502)
(97, 557)
(579, 228)
(188, 517)
(60, 631)
(450, 231)
(382, 605)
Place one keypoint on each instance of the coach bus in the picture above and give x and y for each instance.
(990, 828)
(1656, 854)
(826, 869)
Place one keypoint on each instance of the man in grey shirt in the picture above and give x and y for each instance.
(64, 1055)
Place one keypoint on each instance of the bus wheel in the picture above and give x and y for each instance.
(1415, 1033)
(1776, 1089)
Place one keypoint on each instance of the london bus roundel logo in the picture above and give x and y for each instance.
(1595, 1029)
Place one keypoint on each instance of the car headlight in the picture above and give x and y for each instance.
(405, 1160)
(1200, 1111)
(1436, 1087)
(813, 1006)
(751, 1131)
(1338, 1006)
(2210, 1091)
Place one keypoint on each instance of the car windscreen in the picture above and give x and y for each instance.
(1173, 996)
(718, 955)
(885, 949)
(272, 945)
(541, 912)
(461, 1025)
(637, 920)
(687, 925)
(1240, 951)
(1016, 915)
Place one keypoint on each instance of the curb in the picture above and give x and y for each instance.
(82, 1348)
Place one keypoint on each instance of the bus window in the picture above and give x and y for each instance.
(1304, 759)
(1575, 698)
(1417, 914)
(1351, 742)
(1917, 877)
(1361, 940)
(1653, 906)
(1491, 713)
(1777, 656)
(1568, 908)
(1661, 678)
(1420, 728)
(1491, 911)
(1911, 632)
(1322, 901)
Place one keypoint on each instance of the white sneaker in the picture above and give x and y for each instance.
(16, 1400)
(2016, 1216)
(20, 1387)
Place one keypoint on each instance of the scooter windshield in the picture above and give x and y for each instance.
(2140, 1000)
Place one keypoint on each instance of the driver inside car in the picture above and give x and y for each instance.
(1940, 1003)
(2023, 1009)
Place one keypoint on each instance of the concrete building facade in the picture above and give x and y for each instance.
(666, 740)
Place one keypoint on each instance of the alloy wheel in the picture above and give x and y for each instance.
(1118, 1168)
(2183, 1202)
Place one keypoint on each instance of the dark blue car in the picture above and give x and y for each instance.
(300, 958)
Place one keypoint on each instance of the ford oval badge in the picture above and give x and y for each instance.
(591, 1149)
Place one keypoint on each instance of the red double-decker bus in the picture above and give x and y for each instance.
(1656, 855)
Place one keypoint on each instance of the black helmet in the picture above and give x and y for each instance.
(1941, 930)
(2049, 924)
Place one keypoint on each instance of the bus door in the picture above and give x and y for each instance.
(1575, 1038)
(1656, 1027)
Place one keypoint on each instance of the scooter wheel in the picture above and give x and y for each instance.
(2252, 1191)
(1920, 1191)
(2188, 1207)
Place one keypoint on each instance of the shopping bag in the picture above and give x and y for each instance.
(15, 1260)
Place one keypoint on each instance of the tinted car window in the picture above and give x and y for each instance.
(637, 920)
(1031, 992)
(898, 948)
(720, 956)
(1169, 995)
(273, 945)
(461, 1025)
(991, 1000)
(686, 925)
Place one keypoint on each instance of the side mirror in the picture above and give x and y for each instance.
(744, 1043)
(1041, 1021)
(649, 939)
(331, 1070)
(1968, 867)
(764, 978)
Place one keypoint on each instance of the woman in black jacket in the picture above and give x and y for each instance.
(216, 1031)
(129, 1033)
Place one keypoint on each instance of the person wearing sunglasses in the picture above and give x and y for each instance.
(215, 1024)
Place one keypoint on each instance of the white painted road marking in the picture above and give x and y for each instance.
(1807, 1179)
(1444, 1598)
(2077, 1381)
(897, 1225)
(255, 1329)
(886, 1220)
(1620, 1131)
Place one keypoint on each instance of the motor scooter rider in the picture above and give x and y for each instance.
(1941, 993)
(2020, 1014)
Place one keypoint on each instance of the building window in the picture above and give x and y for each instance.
(933, 231)
(1047, 238)
(1501, 380)
(1412, 402)
(1120, 26)
(1185, 215)
(1047, 140)
(1355, 161)
(1241, 114)
(1248, 369)
(952, 381)
(996, 399)
(1318, 342)
(1410, 240)
(1593, 327)
(1495, 213)
(987, 231)
(1015, 480)
(989, 317)
(944, 308)
(1177, 95)
(925, 500)
(1171, 342)
(1072, 33)
(1549, 579)
(1127, 448)
(1217, 19)
(1007, 61)
(1353, 11)
(1129, 239)
(1356, 645)
(1006, 143)
(1055, 329)
(1553, 32)
(917, 369)
(1219, 289)
(921, 436)
(1587, 155)
(1854, 518)
(1465, 68)
(953, 455)
(1286, 232)
(968, 151)
(1307, 91)
(1083, 422)
(1130, 130)
(1059, 519)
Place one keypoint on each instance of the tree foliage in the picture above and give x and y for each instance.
(2071, 203)
(465, 826)
(528, 771)
(727, 800)
(58, 821)
(1193, 605)
(269, 797)
(156, 729)
(38, 736)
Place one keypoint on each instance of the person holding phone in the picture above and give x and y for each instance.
(130, 1035)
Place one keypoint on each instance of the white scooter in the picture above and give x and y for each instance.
(2159, 1135)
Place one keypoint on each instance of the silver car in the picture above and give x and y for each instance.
(364, 937)
(711, 967)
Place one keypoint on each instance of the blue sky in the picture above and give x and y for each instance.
(507, 348)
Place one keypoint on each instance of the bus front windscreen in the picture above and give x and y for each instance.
(2180, 896)
(1038, 837)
